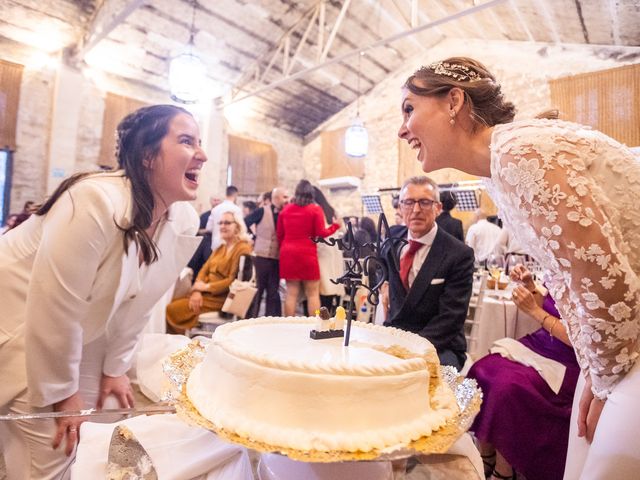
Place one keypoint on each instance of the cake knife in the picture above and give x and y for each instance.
(91, 412)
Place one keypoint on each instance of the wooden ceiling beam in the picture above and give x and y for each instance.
(615, 22)
(344, 56)
(549, 21)
(475, 24)
(334, 31)
(521, 21)
(105, 20)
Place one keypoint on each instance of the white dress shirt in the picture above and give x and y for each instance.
(421, 254)
(482, 237)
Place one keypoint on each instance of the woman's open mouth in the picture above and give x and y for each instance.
(192, 175)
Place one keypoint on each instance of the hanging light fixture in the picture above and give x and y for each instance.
(187, 73)
(356, 138)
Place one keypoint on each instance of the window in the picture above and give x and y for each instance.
(253, 166)
(5, 184)
(334, 161)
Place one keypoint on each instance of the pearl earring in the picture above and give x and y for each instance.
(452, 122)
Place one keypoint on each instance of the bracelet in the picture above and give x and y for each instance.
(555, 320)
(545, 319)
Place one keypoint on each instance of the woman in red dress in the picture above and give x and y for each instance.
(298, 222)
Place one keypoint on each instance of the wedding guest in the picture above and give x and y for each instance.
(448, 223)
(10, 223)
(203, 251)
(521, 407)
(267, 252)
(204, 217)
(265, 199)
(398, 221)
(330, 260)
(430, 291)
(16, 219)
(299, 221)
(482, 236)
(558, 186)
(78, 281)
(227, 205)
(211, 287)
(248, 207)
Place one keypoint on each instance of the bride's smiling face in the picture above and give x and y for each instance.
(426, 128)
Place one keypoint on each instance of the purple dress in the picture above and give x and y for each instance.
(520, 415)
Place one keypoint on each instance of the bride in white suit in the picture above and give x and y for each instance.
(79, 278)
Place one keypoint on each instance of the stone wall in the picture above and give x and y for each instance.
(32, 137)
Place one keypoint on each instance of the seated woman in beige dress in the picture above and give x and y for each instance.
(210, 289)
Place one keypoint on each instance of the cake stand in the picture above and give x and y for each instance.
(469, 397)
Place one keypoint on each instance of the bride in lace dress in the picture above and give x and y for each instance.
(572, 196)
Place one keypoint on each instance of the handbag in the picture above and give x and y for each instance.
(241, 294)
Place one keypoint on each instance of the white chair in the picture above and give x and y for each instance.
(471, 324)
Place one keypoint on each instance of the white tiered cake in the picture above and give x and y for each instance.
(265, 380)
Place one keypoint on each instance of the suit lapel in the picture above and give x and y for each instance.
(427, 271)
(395, 249)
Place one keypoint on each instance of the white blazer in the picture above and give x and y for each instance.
(65, 281)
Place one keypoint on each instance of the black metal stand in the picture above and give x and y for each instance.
(358, 267)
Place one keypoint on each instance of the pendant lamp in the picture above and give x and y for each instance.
(187, 73)
(356, 138)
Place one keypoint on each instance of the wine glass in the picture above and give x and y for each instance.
(514, 259)
(535, 269)
(495, 265)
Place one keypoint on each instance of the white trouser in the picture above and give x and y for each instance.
(615, 450)
(27, 443)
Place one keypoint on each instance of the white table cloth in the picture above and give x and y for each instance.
(498, 318)
(177, 450)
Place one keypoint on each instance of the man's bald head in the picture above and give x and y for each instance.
(279, 197)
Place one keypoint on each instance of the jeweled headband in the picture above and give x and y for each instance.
(458, 72)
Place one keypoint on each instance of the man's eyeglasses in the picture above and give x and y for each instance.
(408, 203)
(225, 222)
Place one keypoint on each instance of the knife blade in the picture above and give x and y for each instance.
(90, 412)
(128, 460)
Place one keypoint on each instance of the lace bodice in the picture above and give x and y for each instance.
(572, 197)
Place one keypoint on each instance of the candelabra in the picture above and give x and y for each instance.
(374, 265)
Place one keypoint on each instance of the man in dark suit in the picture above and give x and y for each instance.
(445, 221)
(429, 290)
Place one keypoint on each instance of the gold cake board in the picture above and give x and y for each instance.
(469, 397)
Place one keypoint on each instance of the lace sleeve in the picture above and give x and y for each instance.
(571, 218)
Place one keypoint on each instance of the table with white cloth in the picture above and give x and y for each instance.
(498, 318)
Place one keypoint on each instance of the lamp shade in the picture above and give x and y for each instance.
(187, 76)
(356, 139)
